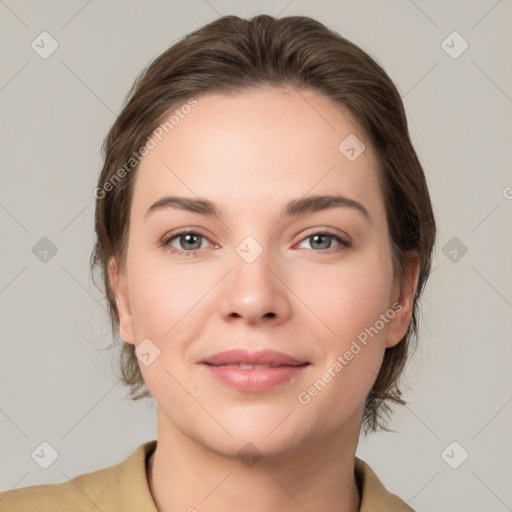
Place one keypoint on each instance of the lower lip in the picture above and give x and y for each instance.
(261, 379)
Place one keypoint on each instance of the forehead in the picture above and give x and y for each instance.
(241, 149)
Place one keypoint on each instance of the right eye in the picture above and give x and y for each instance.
(189, 241)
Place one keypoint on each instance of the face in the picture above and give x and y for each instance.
(314, 283)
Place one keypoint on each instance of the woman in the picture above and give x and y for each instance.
(264, 232)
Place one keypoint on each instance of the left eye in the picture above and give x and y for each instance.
(324, 240)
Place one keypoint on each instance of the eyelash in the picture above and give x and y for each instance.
(344, 244)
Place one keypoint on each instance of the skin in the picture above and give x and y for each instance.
(250, 153)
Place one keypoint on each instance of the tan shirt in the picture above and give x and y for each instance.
(124, 488)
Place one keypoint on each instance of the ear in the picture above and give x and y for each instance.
(119, 286)
(403, 301)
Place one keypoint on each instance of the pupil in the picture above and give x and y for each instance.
(325, 245)
(187, 239)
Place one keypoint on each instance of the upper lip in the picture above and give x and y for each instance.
(240, 356)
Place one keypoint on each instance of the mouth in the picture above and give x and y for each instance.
(254, 371)
(245, 359)
(244, 366)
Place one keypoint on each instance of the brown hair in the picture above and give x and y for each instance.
(232, 54)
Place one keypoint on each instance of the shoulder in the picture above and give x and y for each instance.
(374, 496)
(106, 489)
(77, 494)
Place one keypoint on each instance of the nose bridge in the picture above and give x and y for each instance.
(252, 291)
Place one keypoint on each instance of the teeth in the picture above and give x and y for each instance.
(248, 366)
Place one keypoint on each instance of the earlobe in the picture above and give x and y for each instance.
(119, 288)
(403, 304)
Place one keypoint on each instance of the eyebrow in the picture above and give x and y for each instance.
(295, 207)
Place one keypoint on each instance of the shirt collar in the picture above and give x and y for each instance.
(134, 492)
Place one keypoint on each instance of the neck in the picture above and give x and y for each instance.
(186, 475)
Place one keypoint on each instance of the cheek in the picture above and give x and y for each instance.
(163, 301)
(349, 301)
(150, 306)
(159, 295)
(350, 297)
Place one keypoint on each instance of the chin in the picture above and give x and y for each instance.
(269, 432)
(253, 446)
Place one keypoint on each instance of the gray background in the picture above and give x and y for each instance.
(56, 386)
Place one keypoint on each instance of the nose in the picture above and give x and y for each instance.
(256, 292)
